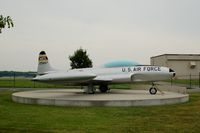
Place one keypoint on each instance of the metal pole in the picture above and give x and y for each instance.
(14, 79)
(199, 80)
(190, 81)
(171, 81)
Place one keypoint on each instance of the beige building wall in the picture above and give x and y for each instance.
(182, 64)
(159, 61)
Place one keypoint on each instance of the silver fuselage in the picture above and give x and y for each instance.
(96, 76)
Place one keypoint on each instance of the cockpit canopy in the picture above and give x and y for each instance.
(120, 63)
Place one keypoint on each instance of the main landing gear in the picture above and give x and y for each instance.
(90, 89)
(103, 88)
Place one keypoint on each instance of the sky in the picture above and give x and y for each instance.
(108, 29)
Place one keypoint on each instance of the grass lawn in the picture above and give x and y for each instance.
(25, 83)
(185, 81)
(15, 117)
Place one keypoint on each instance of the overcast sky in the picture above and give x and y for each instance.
(107, 29)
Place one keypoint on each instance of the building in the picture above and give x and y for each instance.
(183, 64)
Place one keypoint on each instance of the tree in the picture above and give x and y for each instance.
(80, 59)
(5, 20)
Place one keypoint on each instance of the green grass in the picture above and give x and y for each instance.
(186, 81)
(15, 117)
(194, 82)
(25, 83)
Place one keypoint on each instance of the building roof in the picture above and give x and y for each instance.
(175, 55)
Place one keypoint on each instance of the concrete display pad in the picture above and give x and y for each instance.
(115, 97)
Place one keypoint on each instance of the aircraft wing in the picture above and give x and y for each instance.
(102, 79)
(66, 77)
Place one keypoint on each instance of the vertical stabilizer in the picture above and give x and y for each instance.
(43, 64)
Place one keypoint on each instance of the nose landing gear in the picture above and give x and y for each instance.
(153, 90)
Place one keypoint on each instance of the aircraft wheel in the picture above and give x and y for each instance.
(152, 90)
(103, 88)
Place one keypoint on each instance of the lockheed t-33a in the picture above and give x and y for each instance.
(90, 77)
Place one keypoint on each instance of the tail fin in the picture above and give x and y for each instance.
(43, 64)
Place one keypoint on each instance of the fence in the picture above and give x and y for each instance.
(189, 81)
(24, 82)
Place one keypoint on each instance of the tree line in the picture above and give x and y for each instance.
(17, 74)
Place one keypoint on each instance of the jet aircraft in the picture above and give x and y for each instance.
(90, 77)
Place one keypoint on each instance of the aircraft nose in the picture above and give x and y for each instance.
(173, 72)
